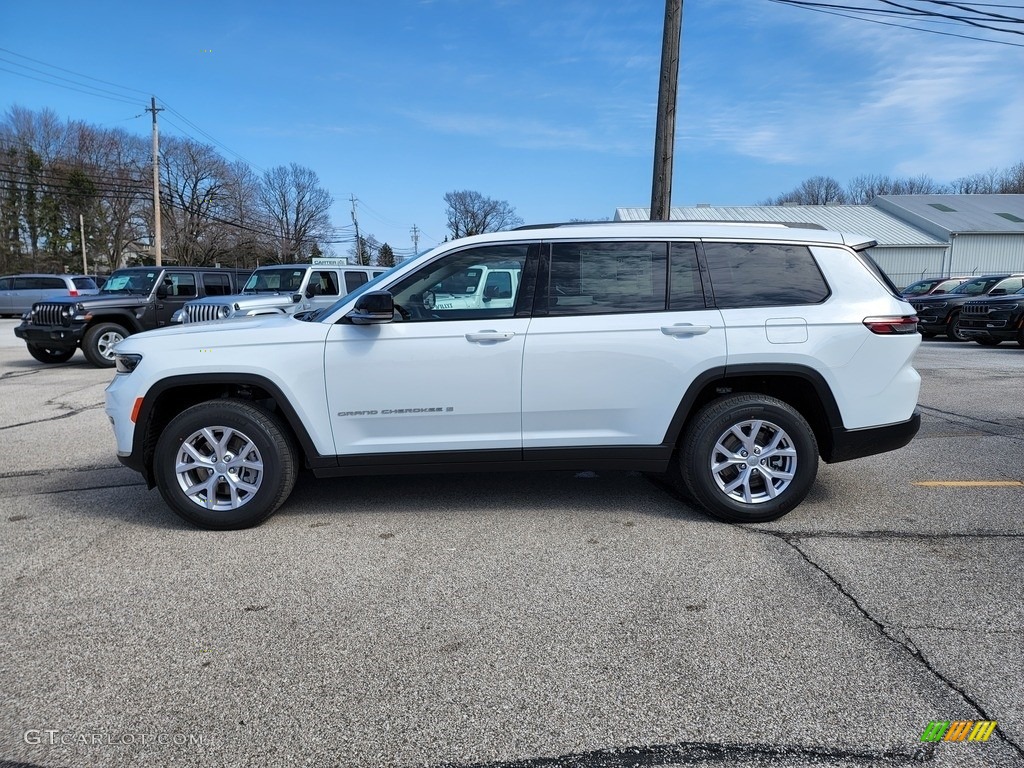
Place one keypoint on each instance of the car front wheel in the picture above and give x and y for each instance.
(98, 343)
(953, 332)
(225, 464)
(748, 458)
(44, 355)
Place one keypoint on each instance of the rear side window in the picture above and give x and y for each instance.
(763, 275)
(216, 285)
(606, 278)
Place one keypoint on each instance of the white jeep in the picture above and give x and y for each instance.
(728, 356)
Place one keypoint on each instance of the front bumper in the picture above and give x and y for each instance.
(49, 336)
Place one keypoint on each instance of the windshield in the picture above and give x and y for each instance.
(976, 287)
(921, 286)
(313, 316)
(138, 282)
(284, 280)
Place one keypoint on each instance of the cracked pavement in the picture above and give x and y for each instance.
(588, 619)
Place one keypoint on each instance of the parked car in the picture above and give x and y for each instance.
(933, 285)
(994, 319)
(132, 300)
(728, 356)
(19, 292)
(941, 314)
(281, 289)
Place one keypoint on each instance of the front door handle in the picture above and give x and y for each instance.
(485, 336)
(685, 329)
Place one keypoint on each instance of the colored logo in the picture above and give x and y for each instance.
(959, 730)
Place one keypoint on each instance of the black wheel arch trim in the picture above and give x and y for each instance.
(141, 458)
(827, 401)
(122, 317)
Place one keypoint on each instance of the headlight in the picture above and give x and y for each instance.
(223, 312)
(179, 316)
(126, 362)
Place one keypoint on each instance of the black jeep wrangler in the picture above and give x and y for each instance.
(132, 300)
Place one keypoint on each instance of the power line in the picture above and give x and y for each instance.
(70, 72)
(922, 15)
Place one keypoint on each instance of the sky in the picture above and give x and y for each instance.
(549, 105)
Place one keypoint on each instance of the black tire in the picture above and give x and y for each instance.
(989, 342)
(1020, 338)
(265, 465)
(792, 466)
(928, 334)
(98, 343)
(44, 355)
(953, 332)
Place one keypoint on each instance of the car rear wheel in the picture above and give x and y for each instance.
(44, 355)
(748, 458)
(225, 464)
(98, 343)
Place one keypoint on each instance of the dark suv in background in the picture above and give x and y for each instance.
(940, 314)
(994, 319)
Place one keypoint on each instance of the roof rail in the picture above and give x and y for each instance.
(780, 224)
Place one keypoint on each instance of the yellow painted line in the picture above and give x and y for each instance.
(970, 483)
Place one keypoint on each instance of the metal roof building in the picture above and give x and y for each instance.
(985, 232)
(904, 251)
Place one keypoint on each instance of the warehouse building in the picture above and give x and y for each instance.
(918, 235)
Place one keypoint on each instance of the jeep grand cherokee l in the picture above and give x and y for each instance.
(728, 356)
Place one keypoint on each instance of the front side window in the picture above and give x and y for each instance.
(455, 287)
(324, 282)
(181, 285)
(763, 275)
(606, 278)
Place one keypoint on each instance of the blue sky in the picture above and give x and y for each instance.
(549, 105)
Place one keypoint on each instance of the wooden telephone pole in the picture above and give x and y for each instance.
(157, 241)
(665, 131)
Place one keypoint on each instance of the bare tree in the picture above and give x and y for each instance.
(194, 180)
(817, 190)
(297, 209)
(470, 213)
(1012, 180)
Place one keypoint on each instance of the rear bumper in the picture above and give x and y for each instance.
(856, 443)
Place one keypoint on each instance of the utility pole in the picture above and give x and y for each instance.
(81, 224)
(665, 132)
(157, 240)
(415, 239)
(359, 240)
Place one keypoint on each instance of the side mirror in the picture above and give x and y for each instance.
(313, 290)
(373, 308)
(164, 289)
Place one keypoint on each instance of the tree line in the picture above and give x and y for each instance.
(58, 177)
(861, 190)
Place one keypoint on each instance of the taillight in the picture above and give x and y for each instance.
(888, 325)
(73, 292)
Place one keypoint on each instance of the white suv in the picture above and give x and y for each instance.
(728, 356)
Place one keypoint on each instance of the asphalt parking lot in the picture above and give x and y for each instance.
(566, 619)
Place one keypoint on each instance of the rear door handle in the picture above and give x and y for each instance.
(685, 329)
(485, 336)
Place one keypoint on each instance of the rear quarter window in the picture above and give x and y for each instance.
(763, 275)
(84, 283)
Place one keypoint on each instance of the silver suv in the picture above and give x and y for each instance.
(730, 357)
(282, 289)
